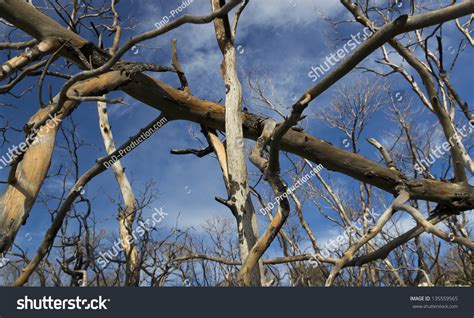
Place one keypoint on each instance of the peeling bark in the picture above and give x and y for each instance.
(239, 196)
(126, 215)
(177, 104)
(20, 194)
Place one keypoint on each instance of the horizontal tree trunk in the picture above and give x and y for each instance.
(180, 105)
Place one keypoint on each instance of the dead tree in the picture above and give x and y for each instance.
(105, 71)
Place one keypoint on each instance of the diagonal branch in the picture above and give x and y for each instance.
(75, 192)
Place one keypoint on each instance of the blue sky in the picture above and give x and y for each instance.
(280, 38)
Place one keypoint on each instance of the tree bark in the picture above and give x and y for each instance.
(176, 104)
(179, 105)
(126, 215)
(239, 196)
(26, 180)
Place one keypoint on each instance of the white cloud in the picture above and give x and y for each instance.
(288, 12)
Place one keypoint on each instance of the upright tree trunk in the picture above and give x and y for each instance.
(126, 215)
(239, 196)
(236, 162)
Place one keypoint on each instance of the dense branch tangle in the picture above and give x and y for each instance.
(105, 72)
